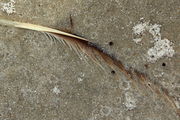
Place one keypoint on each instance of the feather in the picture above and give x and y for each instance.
(82, 46)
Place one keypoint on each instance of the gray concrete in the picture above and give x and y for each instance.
(42, 80)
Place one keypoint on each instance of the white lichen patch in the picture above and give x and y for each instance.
(140, 28)
(80, 79)
(56, 90)
(154, 30)
(137, 40)
(130, 101)
(9, 7)
(161, 48)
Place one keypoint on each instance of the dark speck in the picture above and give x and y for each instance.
(164, 64)
(111, 43)
(152, 56)
(113, 72)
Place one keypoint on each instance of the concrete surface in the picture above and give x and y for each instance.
(42, 80)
